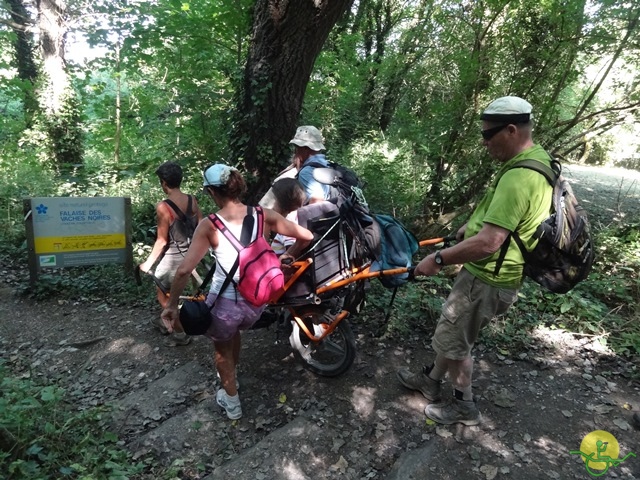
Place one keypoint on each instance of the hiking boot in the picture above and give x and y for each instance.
(178, 339)
(454, 411)
(421, 382)
(231, 406)
(156, 322)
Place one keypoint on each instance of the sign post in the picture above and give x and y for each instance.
(74, 231)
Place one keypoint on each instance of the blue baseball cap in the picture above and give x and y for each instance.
(217, 175)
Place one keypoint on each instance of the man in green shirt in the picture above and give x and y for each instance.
(517, 200)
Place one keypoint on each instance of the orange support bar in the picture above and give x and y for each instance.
(363, 275)
(431, 241)
(328, 328)
(356, 274)
(302, 267)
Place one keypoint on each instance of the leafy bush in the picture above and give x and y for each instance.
(603, 306)
(42, 437)
(416, 307)
(91, 282)
(394, 183)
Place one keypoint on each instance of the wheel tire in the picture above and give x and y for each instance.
(330, 357)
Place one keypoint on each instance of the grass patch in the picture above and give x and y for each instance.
(43, 437)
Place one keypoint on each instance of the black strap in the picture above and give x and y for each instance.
(228, 279)
(225, 284)
(181, 215)
(550, 173)
(505, 247)
(207, 278)
(316, 164)
(247, 228)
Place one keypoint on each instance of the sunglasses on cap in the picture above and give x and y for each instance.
(489, 133)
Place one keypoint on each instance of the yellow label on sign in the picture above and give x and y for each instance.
(79, 243)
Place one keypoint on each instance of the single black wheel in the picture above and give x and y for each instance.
(331, 356)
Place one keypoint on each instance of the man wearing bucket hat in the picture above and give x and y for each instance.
(309, 143)
(518, 199)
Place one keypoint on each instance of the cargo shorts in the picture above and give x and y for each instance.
(469, 307)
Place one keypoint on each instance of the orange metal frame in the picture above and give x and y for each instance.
(356, 276)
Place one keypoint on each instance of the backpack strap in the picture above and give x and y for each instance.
(176, 209)
(206, 280)
(260, 215)
(505, 247)
(312, 164)
(247, 228)
(552, 174)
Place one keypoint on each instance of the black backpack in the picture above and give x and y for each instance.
(565, 252)
(181, 230)
(349, 183)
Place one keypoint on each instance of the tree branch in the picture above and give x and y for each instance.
(630, 30)
(573, 122)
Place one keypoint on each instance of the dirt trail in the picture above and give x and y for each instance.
(537, 405)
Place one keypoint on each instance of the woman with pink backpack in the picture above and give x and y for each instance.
(231, 311)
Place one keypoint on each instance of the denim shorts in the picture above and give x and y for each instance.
(469, 307)
(229, 316)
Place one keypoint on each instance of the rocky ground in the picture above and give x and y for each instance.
(537, 405)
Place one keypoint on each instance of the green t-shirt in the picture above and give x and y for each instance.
(518, 200)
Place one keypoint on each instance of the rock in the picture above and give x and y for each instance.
(621, 423)
(636, 420)
(489, 471)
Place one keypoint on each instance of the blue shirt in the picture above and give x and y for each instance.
(312, 187)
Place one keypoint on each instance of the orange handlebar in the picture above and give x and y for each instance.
(435, 241)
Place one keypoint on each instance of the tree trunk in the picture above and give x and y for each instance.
(118, 136)
(286, 40)
(25, 62)
(57, 99)
(52, 32)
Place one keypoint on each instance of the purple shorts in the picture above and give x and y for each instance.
(228, 317)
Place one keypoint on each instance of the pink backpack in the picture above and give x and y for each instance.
(261, 278)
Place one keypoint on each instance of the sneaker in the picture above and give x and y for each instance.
(421, 382)
(454, 411)
(231, 406)
(156, 322)
(178, 340)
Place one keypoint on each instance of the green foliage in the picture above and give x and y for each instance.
(44, 437)
(65, 133)
(25, 173)
(603, 306)
(416, 307)
(395, 184)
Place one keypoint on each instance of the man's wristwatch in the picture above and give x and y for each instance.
(438, 259)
